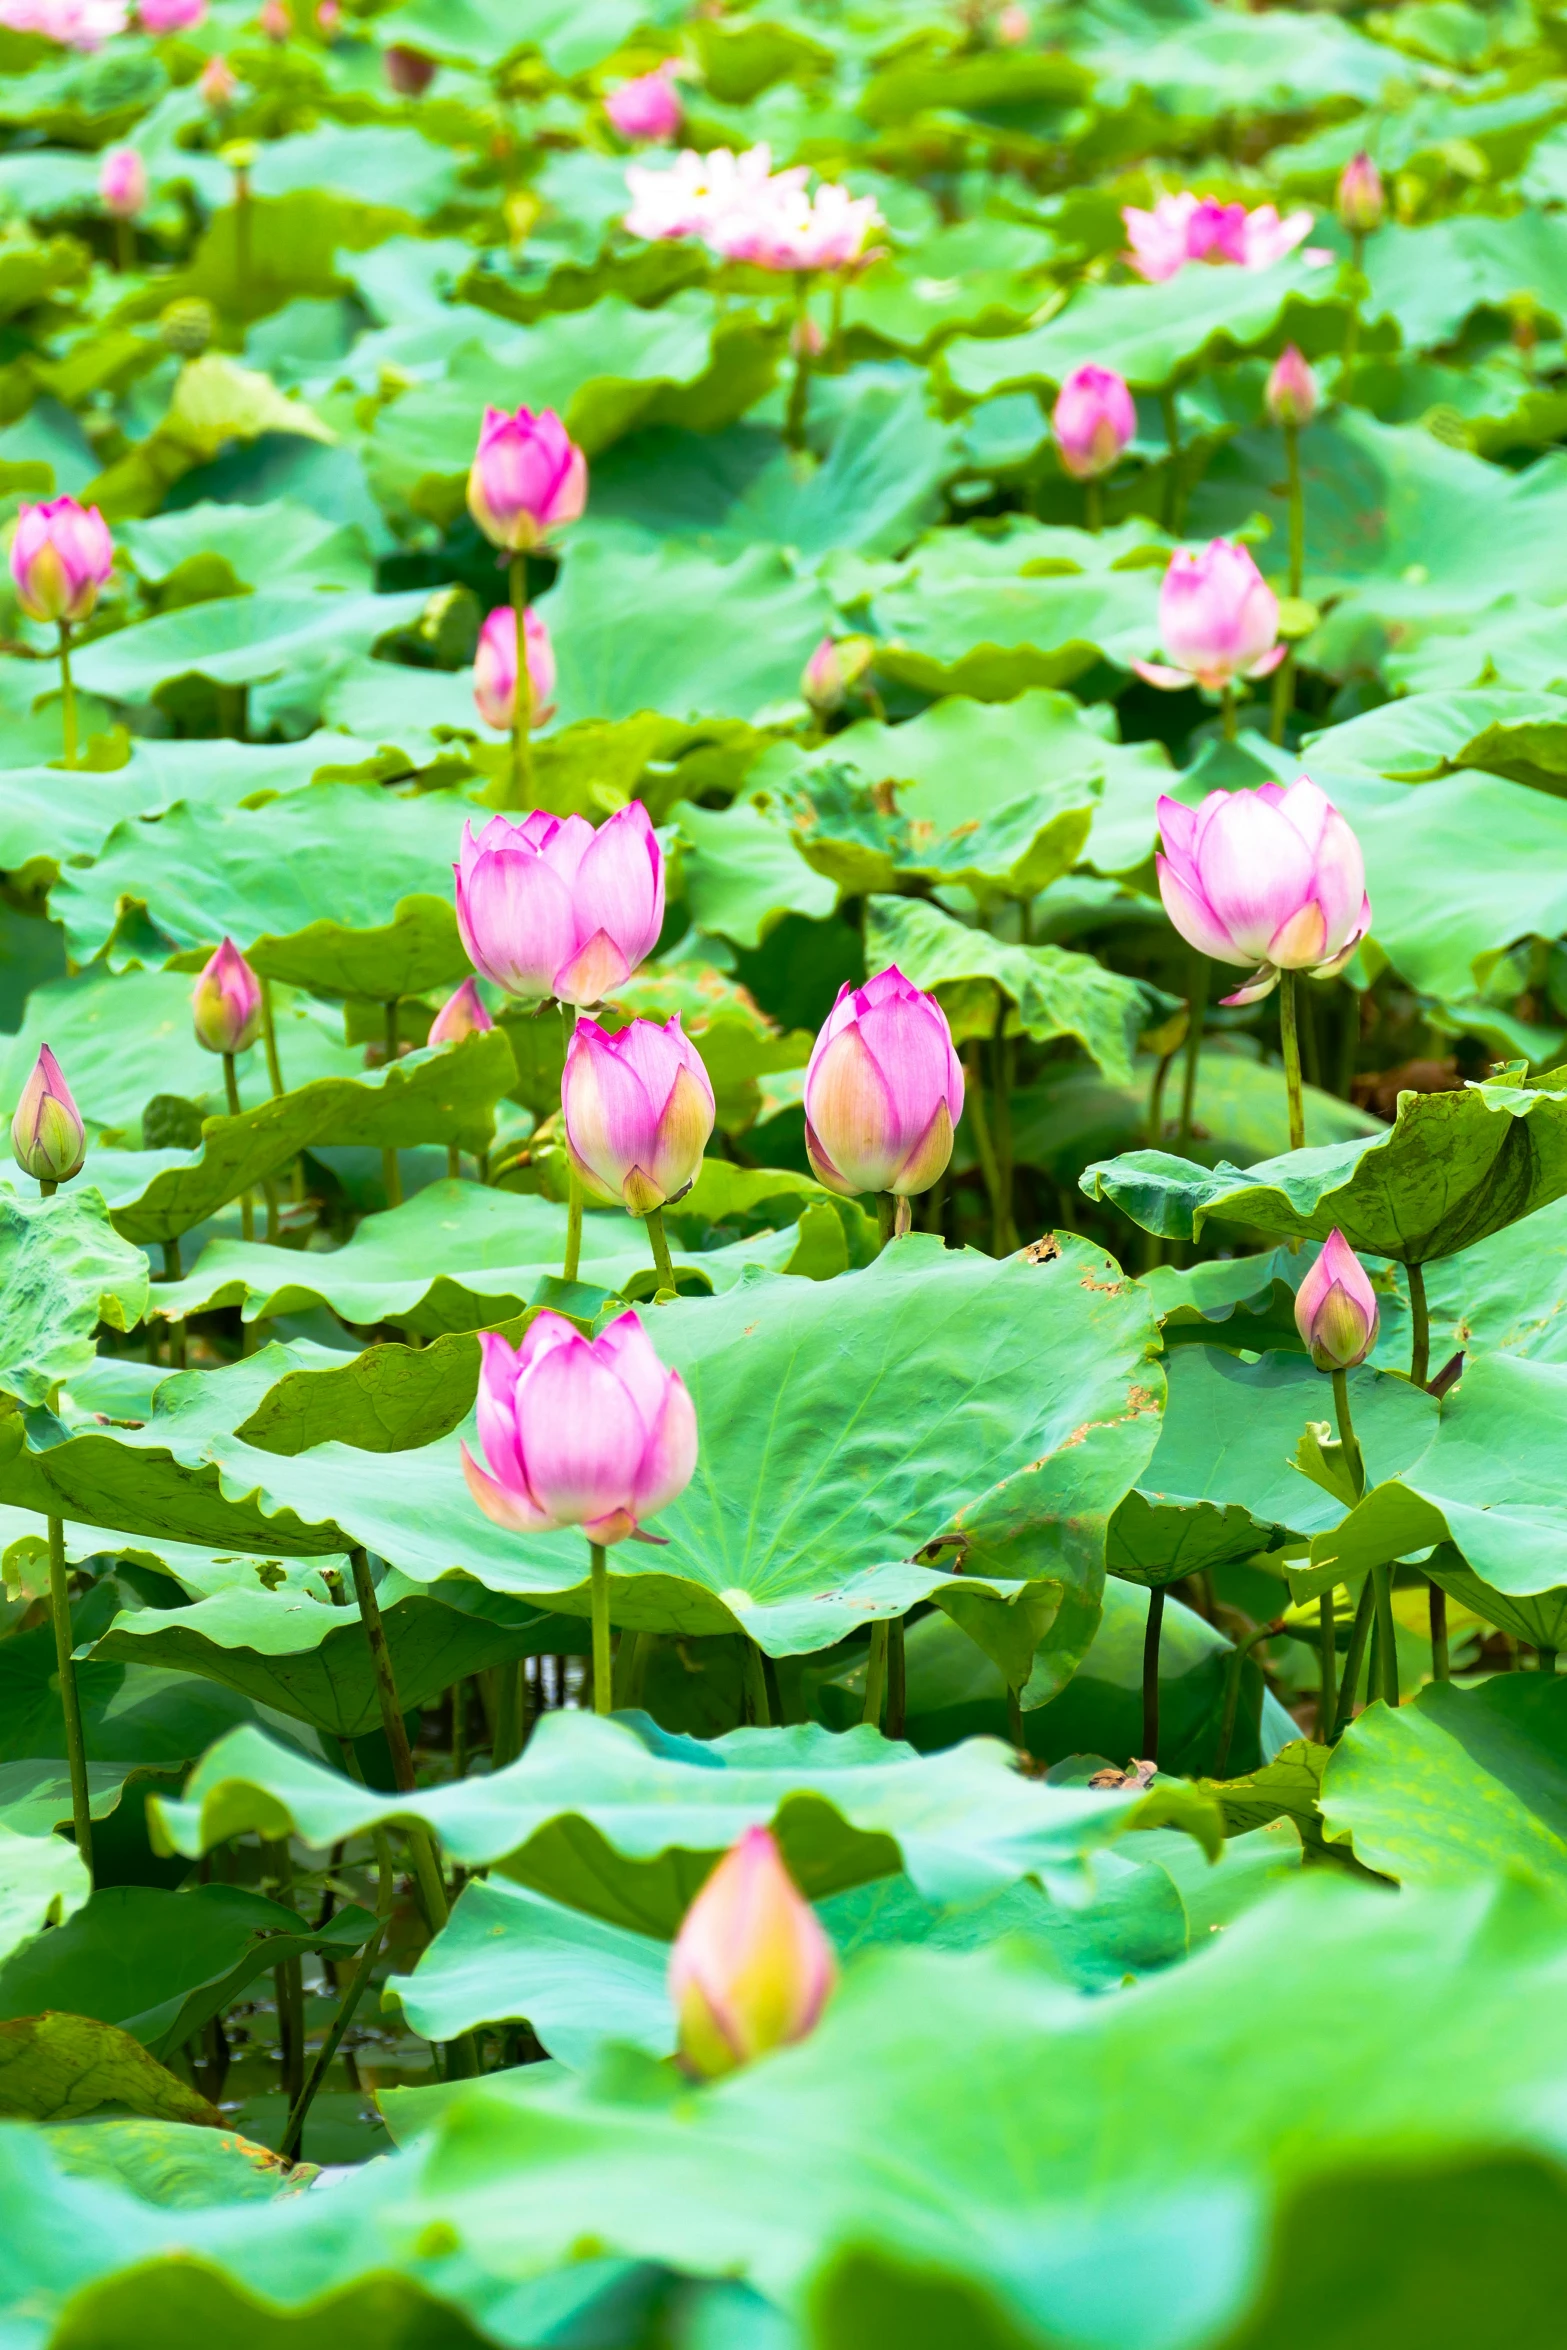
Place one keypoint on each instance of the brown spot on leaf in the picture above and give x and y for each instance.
(1043, 1252)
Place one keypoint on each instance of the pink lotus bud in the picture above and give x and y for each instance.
(461, 1016)
(638, 1109)
(122, 183)
(218, 83)
(1270, 877)
(48, 1141)
(275, 20)
(1336, 1308)
(1361, 201)
(834, 670)
(577, 1432)
(1218, 620)
(1012, 27)
(329, 19)
(408, 71)
(527, 478)
(226, 1003)
(1292, 389)
(495, 669)
(60, 557)
(883, 1091)
(647, 109)
(1093, 420)
(751, 1969)
(548, 906)
(170, 16)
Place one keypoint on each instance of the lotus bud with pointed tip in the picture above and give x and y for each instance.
(48, 1140)
(1271, 877)
(834, 670)
(409, 71)
(638, 1109)
(883, 1090)
(1093, 419)
(648, 109)
(549, 907)
(275, 21)
(60, 557)
(1218, 620)
(527, 478)
(217, 83)
(1361, 201)
(751, 1969)
(595, 1433)
(122, 183)
(226, 1004)
(461, 1016)
(1291, 392)
(1336, 1308)
(495, 669)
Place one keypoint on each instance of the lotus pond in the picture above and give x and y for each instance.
(783, 1303)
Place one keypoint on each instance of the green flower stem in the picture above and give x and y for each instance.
(979, 1129)
(886, 1210)
(1200, 976)
(835, 329)
(461, 2056)
(1545, 1661)
(288, 1981)
(1387, 1639)
(1419, 1326)
(1283, 697)
(242, 239)
(1346, 368)
(876, 1674)
(897, 1679)
(1441, 1668)
(1151, 1639)
(453, 1160)
(756, 1685)
(654, 1220)
(1161, 1072)
(269, 1040)
(1327, 1702)
(568, 1271)
(522, 708)
(1360, 1632)
(247, 1212)
(1094, 504)
(1234, 1665)
(511, 1709)
(421, 1846)
(1003, 1056)
(800, 389)
(603, 1667)
(173, 1270)
(70, 1703)
(1170, 514)
(67, 695)
(1297, 496)
(1346, 1433)
(391, 1171)
(1228, 725)
(1289, 1036)
(47, 1187)
(359, 1983)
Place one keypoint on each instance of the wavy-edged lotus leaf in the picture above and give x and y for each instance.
(159, 1964)
(173, 2165)
(1457, 1784)
(1054, 991)
(744, 872)
(625, 1821)
(56, 2067)
(1453, 1168)
(1422, 736)
(1538, 1618)
(341, 888)
(445, 1095)
(43, 1881)
(64, 1268)
(244, 640)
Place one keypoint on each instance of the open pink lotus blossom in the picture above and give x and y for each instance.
(527, 478)
(226, 1003)
(61, 556)
(1336, 1308)
(48, 1140)
(169, 16)
(782, 228)
(648, 108)
(75, 24)
(751, 1968)
(638, 1109)
(687, 197)
(549, 907)
(883, 1090)
(461, 1016)
(578, 1432)
(1272, 877)
(1187, 228)
(1093, 419)
(1218, 620)
(495, 669)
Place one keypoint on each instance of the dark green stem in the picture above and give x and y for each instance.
(67, 695)
(1170, 514)
(598, 1601)
(897, 1679)
(1419, 1326)
(1234, 1665)
(756, 1684)
(247, 1212)
(359, 1983)
(70, 1702)
(522, 708)
(173, 1271)
(1002, 1055)
(1357, 247)
(1441, 1668)
(1360, 1632)
(654, 1220)
(269, 1040)
(984, 1148)
(1346, 1433)
(1328, 1636)
(1387, 1638)
(568, 1021)
(1196, 1005)
(800, 389)
(391, 1172)
(1227, 721)
(876, 1674)
(1289, 1037)
(1151, 1639)
(1094, 505)
(1297, 509)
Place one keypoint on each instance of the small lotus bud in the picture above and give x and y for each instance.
(1336, 1308)
(217, 83)
(408, 71)
(1361, 201)
(187, 326)
(751, 1969)
(48, 1141)
(226, 1004)
(834, 670)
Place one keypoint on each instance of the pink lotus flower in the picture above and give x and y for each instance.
(461, 1016)
(75, 24)
(169, 16)
(1336, 1308)
(834, 670)
(596, 1434)
(217, 83)
(61, 556)
(527, 478)
(329, 19)
(122, 183)
(548, 906)
(275, 21)
(1273, 877)
(495, 669)
(647, 109)
(226, 1005)
(409, 71)
(1218, 620)
(883, 1090)
(751, 1969)
(1187, 228)
(1012, 27)
(697, 190)
(48, 1140)
(638, 1109)
(1361, 201)
(1291, 392)
(1093, 420)
(779, 227)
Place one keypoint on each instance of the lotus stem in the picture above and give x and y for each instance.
(1346, 1433)
(1360, 1632)
(568, 1271)
(359, 1983)
(1227, 720)
(67, 695)
(1151, 1639)
(603, 1667)
(1419, 1326)
(1234, 1665)
(756, 1684)
(247, 1212)
(1297, 497)
(897, 1679)
(876, 1675)
(173, 1270)
(1357, 248)
(391, 1171)
(1002, 1060)
(1327, 1700)
(1289, 1037)
(1094, 505)
(522, 703)
(1387, 1638)
(70, 1701)
(1170, 514)
(654, 1220)
(1200, 974)
(800, 389)
(1441, 1668)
